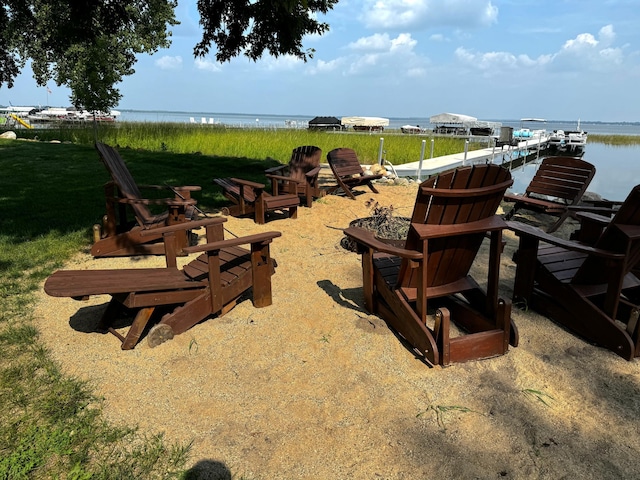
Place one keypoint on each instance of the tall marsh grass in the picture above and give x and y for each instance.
(252, 143)
(616, 140)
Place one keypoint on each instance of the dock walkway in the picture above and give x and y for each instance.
(505, 154)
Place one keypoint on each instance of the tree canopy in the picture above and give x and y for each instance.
(89, 46)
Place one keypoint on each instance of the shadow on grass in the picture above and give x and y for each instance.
(58, 188)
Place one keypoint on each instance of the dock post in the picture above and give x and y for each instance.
(493, 151)
(424, 143)
(466, 149)
(380, 151)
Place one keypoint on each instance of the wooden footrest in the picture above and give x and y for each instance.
(281, 201)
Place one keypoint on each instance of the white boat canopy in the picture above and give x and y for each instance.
(444, 118)
(365, 121)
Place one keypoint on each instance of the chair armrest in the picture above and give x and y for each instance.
(632, 232)
(603, 203)
(282, 178)
(522, 229)
(593, 217)
(248, 183)
(575, 210)
(278, 168)
(265, 237)
(427, 231)
(368, 239)
(313, 172)
(183, 226)
(186, 188)
(158, 201)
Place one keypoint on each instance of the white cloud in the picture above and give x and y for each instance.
(375, 53)
(207, 65)
(403, 42)
(583, 53)
(325, 67)
(281, 63)
(381, 42)
(437, 37)
(376, 42)
(422, 14)
(169, 63)
(416, 72)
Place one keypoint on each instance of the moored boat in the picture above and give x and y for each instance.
(69, 115)
(412, 129)
(366, 124)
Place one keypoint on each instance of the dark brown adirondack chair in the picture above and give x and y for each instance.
(348, 172)
(250, 198)
(590, 289)
(299, 176)
(122, 236)
(453, 213)
(558, 184)
(210, 284)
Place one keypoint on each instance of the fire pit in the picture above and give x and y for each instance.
(387, 227)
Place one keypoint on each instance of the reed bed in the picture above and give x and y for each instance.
(616, 140)
(254, 143)
(265, 143)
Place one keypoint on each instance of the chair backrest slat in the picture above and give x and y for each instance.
(565, 178)
(303, 160)
(441, 201)
(123, 179)
(344, 162)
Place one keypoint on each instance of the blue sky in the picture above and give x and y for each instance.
(560, 60)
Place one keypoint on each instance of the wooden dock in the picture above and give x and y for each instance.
(500, 155)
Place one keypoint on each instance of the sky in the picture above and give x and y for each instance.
(559, 60)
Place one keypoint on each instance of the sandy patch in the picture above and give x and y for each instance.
(314, 387)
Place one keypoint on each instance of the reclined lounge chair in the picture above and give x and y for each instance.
(208, 285)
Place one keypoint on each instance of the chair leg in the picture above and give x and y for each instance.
(442, 329)
(261, 266)
(373, 189)
(557, 224)
(140, 322)
(260, 217)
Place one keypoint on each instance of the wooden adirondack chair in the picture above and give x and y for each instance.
(452, 215)
(250, 198)
(348, 172)
(590, 289)
(209, 285)
(121, 236)
(299, 176)
(558, 184)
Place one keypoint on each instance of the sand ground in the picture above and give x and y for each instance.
(313, 387)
